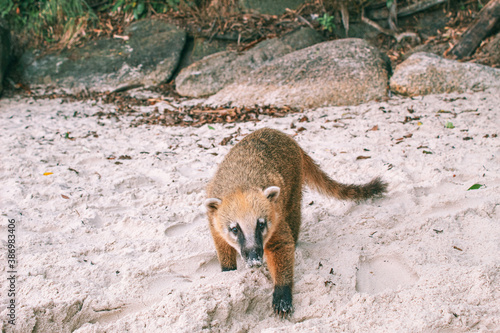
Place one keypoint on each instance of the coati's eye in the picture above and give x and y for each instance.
(261, 224)
(234, 230)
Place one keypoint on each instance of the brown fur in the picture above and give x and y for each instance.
(264, 160)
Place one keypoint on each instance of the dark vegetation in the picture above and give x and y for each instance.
(58, 24)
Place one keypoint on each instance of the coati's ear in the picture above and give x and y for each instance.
(272, 193)
(212, 204)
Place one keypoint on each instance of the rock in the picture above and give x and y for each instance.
(5, 53)
(150, 57)
(426, 73)
(339, 72)
(437, 49)
(198, 48)
(275, 7)
(212, 73)
(203, 47)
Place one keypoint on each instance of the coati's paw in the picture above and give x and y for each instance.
(228, 268)
(282, 301)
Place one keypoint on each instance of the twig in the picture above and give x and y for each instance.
(299, 17)
(398, 36)
(488, 19)
(345, 17)
(382, 14)
(393, 16)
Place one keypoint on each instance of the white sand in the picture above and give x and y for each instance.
(128, 249)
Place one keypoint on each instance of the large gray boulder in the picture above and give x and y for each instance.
(426, 73)
(5, 52)
(149, 57)
(214, 72)
(339, 72)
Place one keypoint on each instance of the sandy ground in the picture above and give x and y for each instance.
(111, 234)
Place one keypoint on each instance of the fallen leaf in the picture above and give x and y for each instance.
(374, 128)
(48, 173)
(363, 157)
(475, 187)
(226, 140)
(64, 196)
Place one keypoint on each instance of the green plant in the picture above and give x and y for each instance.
(46, 18)
(327, 22)
(140, 8)
(65, 21)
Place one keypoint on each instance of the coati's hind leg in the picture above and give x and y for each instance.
(225, 252)
(280, 253)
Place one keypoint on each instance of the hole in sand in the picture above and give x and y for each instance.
(381, 273)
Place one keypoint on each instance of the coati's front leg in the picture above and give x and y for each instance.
(280, 253)
(225, 252)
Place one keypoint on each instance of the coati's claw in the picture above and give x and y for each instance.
(282, 301)
(228, 268)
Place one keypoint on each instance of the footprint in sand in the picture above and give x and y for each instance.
(381, 273)
(178, 229)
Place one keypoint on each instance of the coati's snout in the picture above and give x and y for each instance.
(253, 257)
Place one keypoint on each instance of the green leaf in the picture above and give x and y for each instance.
(139, 10)
(449, 124)
(475, 187)
(118, 4)
(210, 127)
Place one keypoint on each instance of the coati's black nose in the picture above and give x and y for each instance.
(253, 257)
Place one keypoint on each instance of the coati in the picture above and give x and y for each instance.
(254, 203)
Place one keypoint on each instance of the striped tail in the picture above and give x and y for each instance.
(318, 180)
